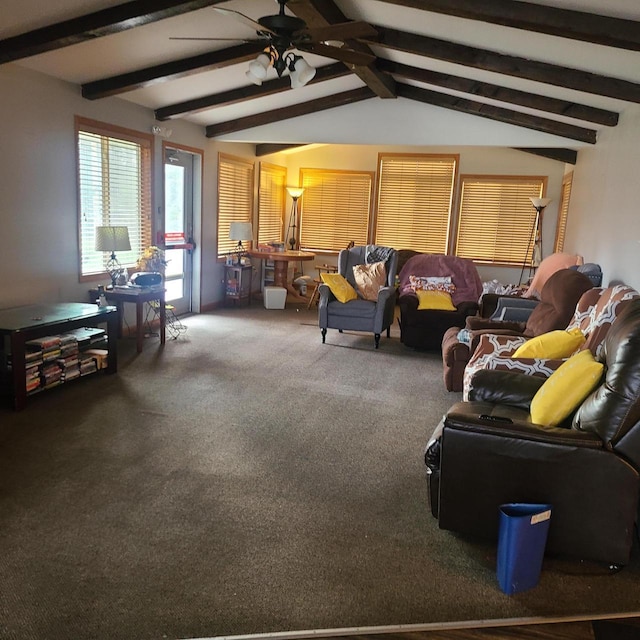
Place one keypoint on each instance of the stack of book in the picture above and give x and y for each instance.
(51, 375)
(87, 365)
(68, 359)
(33, 376)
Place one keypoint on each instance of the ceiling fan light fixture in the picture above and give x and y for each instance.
(300, 72)
(258, 68)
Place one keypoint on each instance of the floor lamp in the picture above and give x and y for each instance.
(295, 193)
(539, 205)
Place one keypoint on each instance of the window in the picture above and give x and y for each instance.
(563, 212)
(415, 195)
(235, 198)
(114, 188)
(335, 208)
(496, 223)
(271, 202)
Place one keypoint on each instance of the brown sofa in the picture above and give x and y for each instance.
(488, 452)
(557, 304)
(424, 328)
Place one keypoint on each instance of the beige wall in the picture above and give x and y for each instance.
(38, 208)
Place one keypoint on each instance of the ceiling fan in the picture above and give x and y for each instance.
(279, 34)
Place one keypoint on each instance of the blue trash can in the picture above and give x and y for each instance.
(522, 537)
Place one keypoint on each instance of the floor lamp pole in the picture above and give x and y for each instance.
(295, 193)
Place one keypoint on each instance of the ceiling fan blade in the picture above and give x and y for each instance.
(341, 31)
(256, 26)
(216, 39)
(337, 53)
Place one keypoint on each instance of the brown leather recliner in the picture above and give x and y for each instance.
(488, 452)
(558, 300)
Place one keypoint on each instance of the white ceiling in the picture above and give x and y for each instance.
(148, 45)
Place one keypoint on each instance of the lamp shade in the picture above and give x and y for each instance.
(240, 231)
(112, 239)
(540, 203)
(302, 73)
(295, 192)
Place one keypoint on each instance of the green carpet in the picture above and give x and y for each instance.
(246, 478)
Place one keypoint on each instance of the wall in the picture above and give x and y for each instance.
(603, 221)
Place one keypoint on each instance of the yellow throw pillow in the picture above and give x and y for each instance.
(555, 344)
(339, 286)
(369, 278)
(434, 300)
(566, 388)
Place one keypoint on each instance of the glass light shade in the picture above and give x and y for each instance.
(112, 239)
(258, 68)
(302, 73)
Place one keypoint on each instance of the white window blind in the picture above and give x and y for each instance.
(563, 212)
(114, 189)
(271, 202)
(235, 198)
(334, 208)
(414, 201)
(496, 223)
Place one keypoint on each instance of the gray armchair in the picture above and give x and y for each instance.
(360, 314)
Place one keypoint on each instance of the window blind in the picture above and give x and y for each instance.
(334, 208)
(271, 202)
(114, 189)
(235, 198)
(415, 195)
(496, 223)
(563, 212)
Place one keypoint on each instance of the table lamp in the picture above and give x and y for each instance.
(113, 239)
(240, 231)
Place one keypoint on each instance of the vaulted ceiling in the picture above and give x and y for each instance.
(568, 68)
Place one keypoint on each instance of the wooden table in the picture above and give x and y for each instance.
(137, 296)
(281, 260)
(20, 324)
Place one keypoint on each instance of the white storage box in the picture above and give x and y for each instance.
(275, 297)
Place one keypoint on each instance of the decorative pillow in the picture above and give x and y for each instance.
(432, 283)
(434, 300)
(554, 344)
(369, 278)
(566, 388)
(339, 286)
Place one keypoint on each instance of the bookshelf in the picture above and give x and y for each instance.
(44, 346)
(237, 283)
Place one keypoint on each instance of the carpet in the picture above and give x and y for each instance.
(243, 479)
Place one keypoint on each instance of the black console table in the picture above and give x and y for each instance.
(20, 324)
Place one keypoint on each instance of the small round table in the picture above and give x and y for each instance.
(281, 260)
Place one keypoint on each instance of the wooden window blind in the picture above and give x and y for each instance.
(235, 198)
(415, 194)
(334, 208)
(563, 212)
(496, 223)
(271, 202)
(114, 189)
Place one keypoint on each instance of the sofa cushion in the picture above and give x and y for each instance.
(554, 344)
(565, 390)
(369, 278)
(340, 288)
(434, 300)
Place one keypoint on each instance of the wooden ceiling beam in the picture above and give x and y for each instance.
(241, 94)
(503, 94)
(565, 23)
(95, 25)
(500, 114)
(295, 110)
(322, 13)
(569, 156)
(508, 65)
(170, 71)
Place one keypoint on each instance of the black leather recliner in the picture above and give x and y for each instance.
(487, 452)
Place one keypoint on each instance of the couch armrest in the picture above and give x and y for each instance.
(476, 323)
(408, 302)
(504, 387)
(468, 307)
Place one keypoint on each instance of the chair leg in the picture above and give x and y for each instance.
(376, 337)
(389, 331)
(324, 334)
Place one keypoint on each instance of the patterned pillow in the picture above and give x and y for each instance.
(432, 283)
(369, 278)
